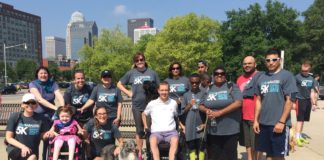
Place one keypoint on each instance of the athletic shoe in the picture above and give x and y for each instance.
(299, 142)
(304, 140)
(140, 157)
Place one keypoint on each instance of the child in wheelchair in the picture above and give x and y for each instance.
(65, 129)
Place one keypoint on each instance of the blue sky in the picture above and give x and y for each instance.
(56, 14)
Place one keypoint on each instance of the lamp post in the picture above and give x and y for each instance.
(5, 59)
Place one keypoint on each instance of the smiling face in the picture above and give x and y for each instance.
(65, 117)
(194, 81)
(305, 69)
(175, 70)
(219, 76)
(42, 75)
(249, 65)
(79, 80)
(101, 115)
(140, 62)
(29, 106)
(106, 80)
(164, 92)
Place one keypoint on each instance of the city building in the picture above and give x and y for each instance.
(16, 28)
(55, 47)
(132, 24)
(139, 32)
(78, 33)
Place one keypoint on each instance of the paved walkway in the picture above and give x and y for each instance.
(312, 151)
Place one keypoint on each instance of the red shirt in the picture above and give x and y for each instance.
(248, 105)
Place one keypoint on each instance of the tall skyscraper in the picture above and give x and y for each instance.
(143, 30)
(78, 33)
(55, 47)
(135, 23)
(18, 27)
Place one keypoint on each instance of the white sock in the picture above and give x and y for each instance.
(298, 135)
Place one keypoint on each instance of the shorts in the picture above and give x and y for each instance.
(164, 136)
(249, 137)
(304, 109)
(274, 144)
(137, 114)
(16, 154)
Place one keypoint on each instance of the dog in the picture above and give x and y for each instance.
(128, 151)
(292, 138)
(150, 90)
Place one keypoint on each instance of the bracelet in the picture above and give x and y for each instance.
(281, 122)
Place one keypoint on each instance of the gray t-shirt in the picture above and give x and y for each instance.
(218, 98)
(108, 97)
(178, 86)
(193, 118)
(28, 130)
(136, 78)
(304, 85)
(273, 88)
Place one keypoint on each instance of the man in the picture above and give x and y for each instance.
(163, 112)
(273, 105)
(202, 66)
(205, 82)
(306, 100)
(247, 83)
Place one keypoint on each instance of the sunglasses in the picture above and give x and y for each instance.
(176, 68)
(140, 60)
(219, 73)
(195, 82)
(273, 60)
(30, 102)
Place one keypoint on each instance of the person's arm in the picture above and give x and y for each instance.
(279, 127)
(59, 97)
(124, 89)
(11, 140)
(205, 110)
(41, 100)
(119, 147)
(89, 103)
(144, 121)
(313, 99)
(256, 126)
(230, 108)
(119, 110)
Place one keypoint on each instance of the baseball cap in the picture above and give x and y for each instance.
(203, 62)
(27, 97)
(106, 73)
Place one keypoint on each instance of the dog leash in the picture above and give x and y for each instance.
(204, 134)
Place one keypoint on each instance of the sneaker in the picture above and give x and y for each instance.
(299, 142)
(304, 140)
(140, 157)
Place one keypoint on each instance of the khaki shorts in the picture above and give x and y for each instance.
(250, 139)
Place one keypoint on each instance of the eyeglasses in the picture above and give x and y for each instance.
(140, 60)
(176, 68)
(30, 102)
(219, 73)
(101, 114)
(273, 60)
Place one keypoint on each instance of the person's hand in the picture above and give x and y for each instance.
(81, 110)
(130, 94)
(294, 106)
(116, 122)
(81, 131)
(25, 151)
(314, 107)
(256, 127)
(192, 102)
(278, 128)
(117, 151)
(49, 134)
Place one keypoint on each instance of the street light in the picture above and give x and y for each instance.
(5, 59)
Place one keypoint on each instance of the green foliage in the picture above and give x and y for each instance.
(253, 31)
(185, 39)
(25, 70)
(12, 76)
(112, 51)
(142, 43)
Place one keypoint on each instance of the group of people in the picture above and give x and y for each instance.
(211, 111)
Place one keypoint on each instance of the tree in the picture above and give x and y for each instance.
(185, 39)
(112, 51)
(253, 31)
(25, 69)
(12, 76)
(143, 41)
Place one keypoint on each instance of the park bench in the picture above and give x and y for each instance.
(127, 124)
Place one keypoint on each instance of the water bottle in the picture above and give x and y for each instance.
(195, 106)
(213, 122)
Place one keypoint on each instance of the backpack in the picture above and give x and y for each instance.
(15, 126)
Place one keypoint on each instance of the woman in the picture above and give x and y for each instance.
(25, 130)
(108, 95)
(221, 106)
(102, 134)
(45, 91)
(77, 95)
(136, 78)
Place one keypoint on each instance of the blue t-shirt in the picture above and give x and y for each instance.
(178, 86)
(304, 84)
(273, 88)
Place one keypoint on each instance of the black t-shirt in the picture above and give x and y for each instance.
(28, 130)
(102, 136)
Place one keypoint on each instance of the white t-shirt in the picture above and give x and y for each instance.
(162, 115)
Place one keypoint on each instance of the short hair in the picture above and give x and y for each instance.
(205, 76)
(203, 62)
(78, 71)
(273, 51)
(65, 109)
(171, 66)
(40, 68)
(163, 83)
(219, 67)
(195, 75)
(307, 63)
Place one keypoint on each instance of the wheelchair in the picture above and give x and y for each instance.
(79, 153)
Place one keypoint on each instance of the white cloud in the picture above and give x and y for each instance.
(120, 10)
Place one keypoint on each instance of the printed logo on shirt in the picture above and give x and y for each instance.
(307, 83)
(106, 97)
(80, 99)
(179, 88)
(141, 79)
(221, 95)
(270, 86)
(101, 134)
(27, 129)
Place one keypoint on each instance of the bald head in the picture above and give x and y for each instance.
(249, 65)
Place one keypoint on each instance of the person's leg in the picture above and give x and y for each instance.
(192, 150)
(300, 121)
(214, 149)
(57, 147)
(247, 139)
(71, 143)
(279, 144)
(308, 109)
(154, 141)
(264, 140)
(230, 146)
(173, 147)
(139, 130)
(32, 157)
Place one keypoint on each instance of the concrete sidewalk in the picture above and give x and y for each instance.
(313, 151)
